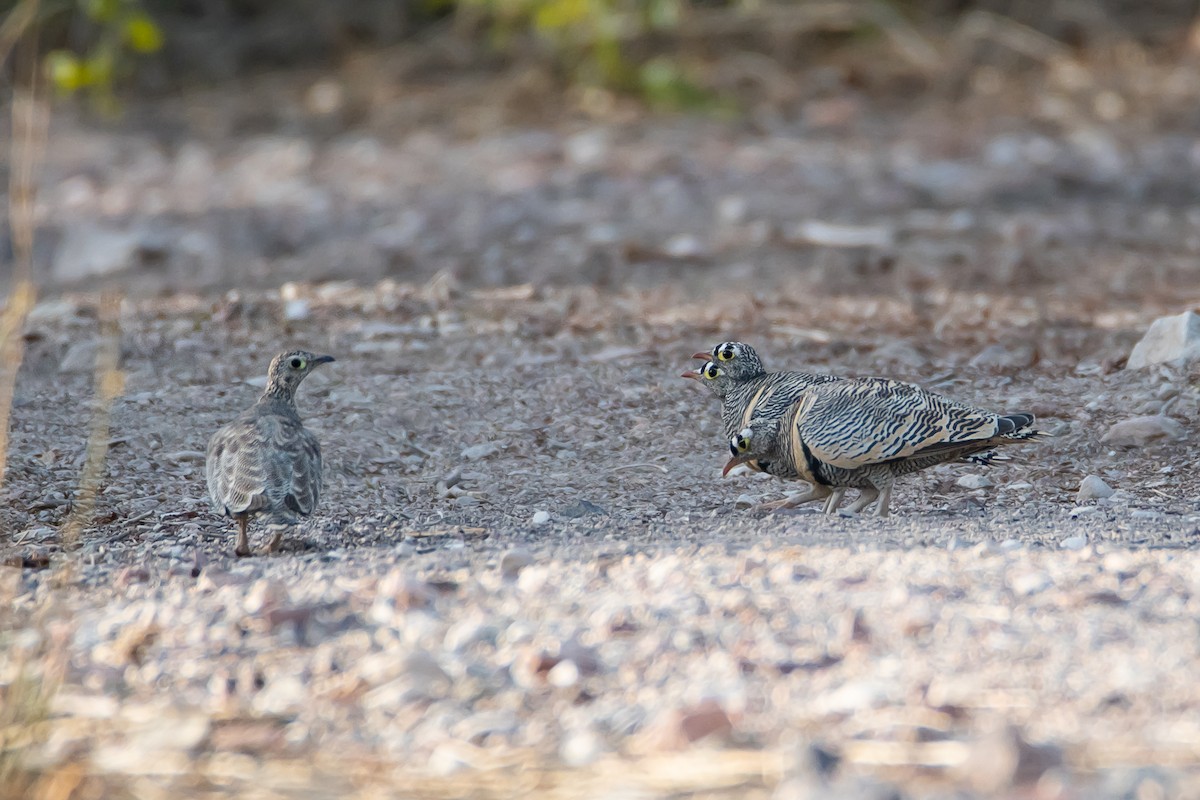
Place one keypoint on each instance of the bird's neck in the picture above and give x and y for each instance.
(278, 393)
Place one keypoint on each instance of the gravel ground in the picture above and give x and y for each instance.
(527, 573)
(526, 576)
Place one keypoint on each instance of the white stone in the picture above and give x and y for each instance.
(515, 560)
(80, 357)
(1169, 339)
(564, 674)
(540, 518)
(479, 451)
(1138, 431)
(1093, 487)
(587, 149)
(1027, 583)
(974, 482)
(1074, 542)
(296, 310)
(580, 748)
(88, 250)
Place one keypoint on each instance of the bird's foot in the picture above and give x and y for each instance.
(273, 544)
(775, 505)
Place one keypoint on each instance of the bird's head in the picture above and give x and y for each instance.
(291, 367)
(749, 444)
(737, 360)
(711, 376)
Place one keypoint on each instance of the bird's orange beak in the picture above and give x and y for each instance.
(691, 373)
(703, 356)
(733, 462)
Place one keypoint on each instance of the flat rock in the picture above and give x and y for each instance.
(1138, 431)
(512, 562)
(89, 250)
(1169, 339)
(975, 482)
(1092, 487)
(80, 357)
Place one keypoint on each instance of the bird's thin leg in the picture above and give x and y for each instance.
(243, 542)
(865, 498)
(817, 492)
(885, 497)
(276, 530)
(835, 500)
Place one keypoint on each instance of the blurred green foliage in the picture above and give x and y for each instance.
(122, 30)
(111, 32)
(593, 40)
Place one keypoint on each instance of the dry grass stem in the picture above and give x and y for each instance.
(30, 120)
(109, 383)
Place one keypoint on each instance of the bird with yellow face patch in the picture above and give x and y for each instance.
(863, 433)
(265, 463)
(734, 372)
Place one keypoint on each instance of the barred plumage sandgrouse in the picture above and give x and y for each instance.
(265, 462)
(864, 433)
(746, 389)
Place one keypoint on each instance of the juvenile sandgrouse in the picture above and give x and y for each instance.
(734, 373)
(864, 433)
(265, 462)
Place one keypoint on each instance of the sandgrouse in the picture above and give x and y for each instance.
(265, 462)
(734, 373)
(865, 432)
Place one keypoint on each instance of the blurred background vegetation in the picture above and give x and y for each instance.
(659, 50)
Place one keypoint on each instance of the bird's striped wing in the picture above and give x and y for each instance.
(306, 474)
(237, 479)
(855, 423)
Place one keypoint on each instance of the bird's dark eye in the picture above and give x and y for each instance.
(297, 363)
(739, 445)
(710, 371)
(726, 353)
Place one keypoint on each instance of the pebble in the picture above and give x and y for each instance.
(481, 451)
(564, 674)
(512, 562)
(580, 748)
(1170, 339)
(540, 518)
(975, 482)
(1002, 760)
(1093, 487)
(296, 310)
(1029, 583)
(1139, 431)
(80, 357)
(1074, 542)
(284, 695)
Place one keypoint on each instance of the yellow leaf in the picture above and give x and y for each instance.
(65, 71)
(143, 35)
(559, 14)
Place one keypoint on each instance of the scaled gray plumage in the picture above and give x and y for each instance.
(864, 433)
(265, 463)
